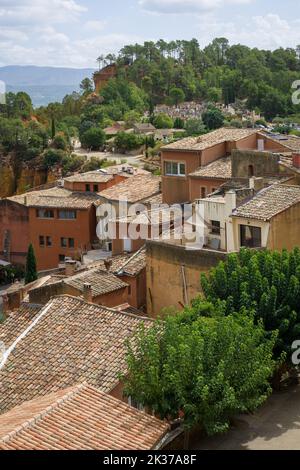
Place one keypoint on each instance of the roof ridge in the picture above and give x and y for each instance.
(130, 259)
(101, 307)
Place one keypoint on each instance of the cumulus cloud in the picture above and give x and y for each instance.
(264, 31)
(185, 6)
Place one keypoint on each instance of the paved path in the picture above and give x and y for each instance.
(118, 157)
(276, 426)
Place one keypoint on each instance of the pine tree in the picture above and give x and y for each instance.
(31, 269)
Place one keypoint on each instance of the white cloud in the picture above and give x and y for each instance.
(266, 32)
(185, 6)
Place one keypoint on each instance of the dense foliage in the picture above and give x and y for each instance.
(219, 71)
(262, 284)
(204, 369)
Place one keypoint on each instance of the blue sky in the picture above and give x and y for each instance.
(73, 33)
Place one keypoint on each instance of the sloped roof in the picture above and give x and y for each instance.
(68, 342)
(219, 169)
(269, 202)
(17, 321)
(102, 282)
(82, 417)
(133, 190)
(56, 198)
(208, 140)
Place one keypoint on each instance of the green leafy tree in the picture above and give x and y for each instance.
(195, 127)
(86, 86)
(31, 269)
(177, 95)
(125, 142)
(204, 369)
(264, 284)
(213, 118)
(163, 121)
(93, 138)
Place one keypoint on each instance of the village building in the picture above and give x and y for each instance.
(235, 167)
(65, 343)
(81, 417)
(262, 222)
(183, 160)
(59, 223)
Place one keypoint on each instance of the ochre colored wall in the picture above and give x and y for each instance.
(176, 189)
(165, 286)
(113, 299)
(285, 229)
(137, 296)
(82, 229)
(208, 183)
(213, 153)
(14, 218)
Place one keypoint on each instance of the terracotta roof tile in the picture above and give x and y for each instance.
(269, 202)
(208, 140)
(17, 321)
(220, 169)
(102, 282)
(56, 197)
(82, 417)
(71, 342)
(135, 189)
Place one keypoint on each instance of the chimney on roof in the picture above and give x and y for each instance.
(108, 264)
(256, 183)
(296, 160)
(70, 267)
(87, 292)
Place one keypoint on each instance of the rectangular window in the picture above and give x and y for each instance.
(45, 213)
(61, 258)
(49, 241)
(96, 188)
(203, 193)
(42, 240)
(250, 236)
(174, 169)
(87, 188)
(71, 243)
(67, 215)
(215, 227)
(64, 242)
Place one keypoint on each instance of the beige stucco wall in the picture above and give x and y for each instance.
(285, 229)
(165, 280)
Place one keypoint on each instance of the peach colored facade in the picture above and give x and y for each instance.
(14, 232)
(201, 187)
(94, 187)
(176, 189)
(79, 234)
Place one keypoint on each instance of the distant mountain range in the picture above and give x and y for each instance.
(43, 84)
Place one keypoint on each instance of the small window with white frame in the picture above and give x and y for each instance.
(174, 169)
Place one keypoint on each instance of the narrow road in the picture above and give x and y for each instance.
(275, 426)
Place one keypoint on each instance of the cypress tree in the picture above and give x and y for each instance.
(31, 270)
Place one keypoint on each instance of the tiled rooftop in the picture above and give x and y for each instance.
(17, 321)
(208, 140)
(134, 189)
(56, 198)
(82, 417)
(106, 174)
(269, 202)
(68, 342)
(89, 177)
(101, 281)
(220, 169)
(131, 265)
